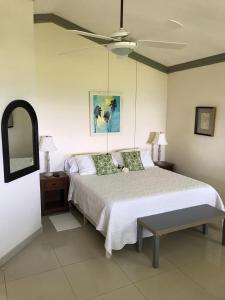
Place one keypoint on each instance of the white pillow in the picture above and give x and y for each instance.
(114, 160)
(117, 156)
(70, 165)
(117, 159)
(146, 158)
(85, 164)
(144, 153)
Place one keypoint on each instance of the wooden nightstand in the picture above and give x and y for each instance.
(164, 165)
(54, 193)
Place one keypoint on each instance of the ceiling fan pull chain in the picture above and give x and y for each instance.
(107, 132)
(135, 103)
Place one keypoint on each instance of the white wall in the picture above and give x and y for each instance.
(201, 157)
(20, 199)
(64, 82)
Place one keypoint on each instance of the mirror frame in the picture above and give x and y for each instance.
(10, 176)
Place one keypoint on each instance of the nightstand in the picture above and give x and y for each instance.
(164, 165)
(54, 193)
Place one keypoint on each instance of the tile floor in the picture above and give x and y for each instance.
(71, 265)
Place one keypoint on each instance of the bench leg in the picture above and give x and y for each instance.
(155, 263)
(139, 237)
(205, 228)
(223, 240)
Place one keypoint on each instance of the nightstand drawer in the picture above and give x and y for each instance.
(54, 184)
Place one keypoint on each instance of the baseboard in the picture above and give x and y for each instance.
(20, 246)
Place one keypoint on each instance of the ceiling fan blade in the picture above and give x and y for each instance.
(80, 49)
(161, 44)
(97, 36)
(174, 24)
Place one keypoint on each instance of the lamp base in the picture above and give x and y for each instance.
(48, 174)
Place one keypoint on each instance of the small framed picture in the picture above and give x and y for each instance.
(205, 120)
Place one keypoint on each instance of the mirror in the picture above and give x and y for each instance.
(20, 140)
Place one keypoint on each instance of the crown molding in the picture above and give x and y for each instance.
(210, 60)
(52, 18)
(214, 59)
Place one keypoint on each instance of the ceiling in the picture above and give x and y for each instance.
(203, 20)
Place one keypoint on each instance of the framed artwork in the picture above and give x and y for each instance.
(105, 112)
(10, 121)
(205, 120)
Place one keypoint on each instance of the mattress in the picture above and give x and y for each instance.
(114, 202)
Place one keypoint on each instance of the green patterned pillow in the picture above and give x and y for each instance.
(104, 164)
(132, 160)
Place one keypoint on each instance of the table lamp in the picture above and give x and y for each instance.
(47, 145)
(160, 140)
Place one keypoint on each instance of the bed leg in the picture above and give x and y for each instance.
(108, 255)
(205, 228)
(84, 220)
(223, 238)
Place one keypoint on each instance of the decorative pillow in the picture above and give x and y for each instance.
(132, 160)
(117, 156)
(85, 164)
(104, 164)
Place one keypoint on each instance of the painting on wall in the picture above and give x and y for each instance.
(205, 120)
(105, 112)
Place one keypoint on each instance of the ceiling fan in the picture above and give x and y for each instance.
(121, 45)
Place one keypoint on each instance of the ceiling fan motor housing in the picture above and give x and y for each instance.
(122, 48)
(120, 34)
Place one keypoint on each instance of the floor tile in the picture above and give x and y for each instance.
(172, 285)
(77, 245)
(208, 273)
(36, 258)
(138, 266)
(51, 285)
(192, 266)
(126, 293)
(192, 246)
(94, 277)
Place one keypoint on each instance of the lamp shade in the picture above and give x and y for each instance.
(160, 139)
(47, 144)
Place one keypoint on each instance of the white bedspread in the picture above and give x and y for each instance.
(114, 202)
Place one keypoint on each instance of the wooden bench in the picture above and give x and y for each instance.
(176, 220)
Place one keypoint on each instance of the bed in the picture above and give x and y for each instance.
(114, 202)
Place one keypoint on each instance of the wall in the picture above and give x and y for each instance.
(20, 199)
(64, 82)
(201, 157)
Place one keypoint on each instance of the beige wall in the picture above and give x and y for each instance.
(198, 156)
(64, 82)
(20, 213)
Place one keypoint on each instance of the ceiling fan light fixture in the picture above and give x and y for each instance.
(122, 48)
